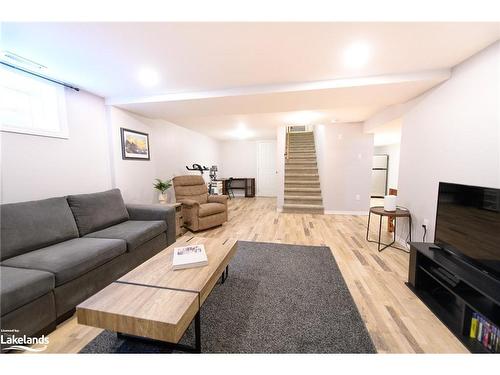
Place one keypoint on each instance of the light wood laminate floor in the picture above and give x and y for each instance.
(397, 321)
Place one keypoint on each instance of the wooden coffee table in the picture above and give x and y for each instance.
(154, 302)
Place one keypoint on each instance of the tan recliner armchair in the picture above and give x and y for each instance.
(200, 210)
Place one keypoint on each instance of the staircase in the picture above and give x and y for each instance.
(302, 189)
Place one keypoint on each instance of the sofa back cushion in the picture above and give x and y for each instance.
(97, 211)
(190, 187)
(29, 226)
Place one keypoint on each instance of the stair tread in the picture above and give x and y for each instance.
(314, 185)
(301, 175)
(301, 183)
(303, 190)
(300, 205)
(304, 197)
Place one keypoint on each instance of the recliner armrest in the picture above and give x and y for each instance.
(217, 199)
(147, 212)
(189, 202)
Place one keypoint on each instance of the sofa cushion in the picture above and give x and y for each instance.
(20, 286)
(134, 232)
(70, 259)
(98, 210)
(208, 209)
(28, 226)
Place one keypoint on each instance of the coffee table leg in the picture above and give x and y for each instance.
(225, 274)
(197, 333)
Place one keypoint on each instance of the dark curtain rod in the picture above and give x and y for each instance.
(40, 76)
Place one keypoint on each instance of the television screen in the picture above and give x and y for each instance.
(468, 224)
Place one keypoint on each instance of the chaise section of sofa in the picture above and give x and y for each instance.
(71, 247)
(27, 300)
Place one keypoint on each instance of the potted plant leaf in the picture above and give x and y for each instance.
(162, 187)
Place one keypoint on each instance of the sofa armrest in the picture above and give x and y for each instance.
(147, 212)
(217, 199)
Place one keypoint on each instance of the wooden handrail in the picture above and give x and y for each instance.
(287, 147)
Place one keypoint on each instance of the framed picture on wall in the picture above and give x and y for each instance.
(135, 145)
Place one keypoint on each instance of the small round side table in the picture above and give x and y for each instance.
(379, 210)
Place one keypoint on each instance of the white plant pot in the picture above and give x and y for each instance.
(162, 197)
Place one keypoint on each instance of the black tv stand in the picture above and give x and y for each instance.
(453, 290)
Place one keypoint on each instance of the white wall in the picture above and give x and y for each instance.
(280, 166)
(238, 159)
(90, 160)
(452, 135)
(344, 154)
(171, 148)
(35, 167)
(393, 152)
(389, 114)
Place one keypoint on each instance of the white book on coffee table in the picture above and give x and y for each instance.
(189, 257)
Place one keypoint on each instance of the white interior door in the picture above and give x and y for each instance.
(267, 180)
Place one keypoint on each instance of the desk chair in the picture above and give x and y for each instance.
(229, 187)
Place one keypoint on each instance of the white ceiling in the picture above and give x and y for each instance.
(245, 71)
(261, 113)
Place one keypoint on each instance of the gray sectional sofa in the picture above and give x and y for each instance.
(57, 252)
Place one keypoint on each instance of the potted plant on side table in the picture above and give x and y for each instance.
(162, 187)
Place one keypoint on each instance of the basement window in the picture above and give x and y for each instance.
(31, 105)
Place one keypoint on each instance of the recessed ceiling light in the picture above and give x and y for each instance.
(148, 77)
(242, 132)
(356, 55)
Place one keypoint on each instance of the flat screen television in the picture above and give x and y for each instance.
(468, 224)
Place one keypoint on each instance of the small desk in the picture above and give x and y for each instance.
(240, 183)
(379, 210)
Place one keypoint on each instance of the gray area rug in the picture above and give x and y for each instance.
(278, 299)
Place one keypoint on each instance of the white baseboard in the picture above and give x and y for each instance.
(352, 213)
